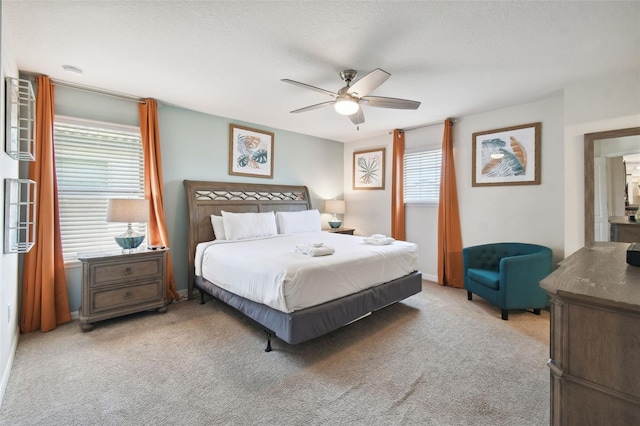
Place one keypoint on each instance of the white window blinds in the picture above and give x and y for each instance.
(94, 162)
(422, 176)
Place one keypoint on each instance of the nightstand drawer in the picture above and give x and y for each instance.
(103, 300)
(125, 271)
(117, 283)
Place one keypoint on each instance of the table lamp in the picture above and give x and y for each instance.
(335, 207)
(128, 210)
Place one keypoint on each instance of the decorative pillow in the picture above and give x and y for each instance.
(240, 226)
(218, 227)
(295, 222)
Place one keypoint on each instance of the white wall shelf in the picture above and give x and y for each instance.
(19, 215)
(20, 120)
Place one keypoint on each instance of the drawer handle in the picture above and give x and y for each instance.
(128, 271)
(128, 295)
(555, 370)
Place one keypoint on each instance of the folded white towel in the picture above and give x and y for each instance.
(318, 249)
(378, 241)
(378, 236)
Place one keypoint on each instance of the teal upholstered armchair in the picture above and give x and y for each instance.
(507, 275)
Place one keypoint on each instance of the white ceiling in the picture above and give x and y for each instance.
(226, 58)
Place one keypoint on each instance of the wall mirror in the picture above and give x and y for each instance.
(604, 164)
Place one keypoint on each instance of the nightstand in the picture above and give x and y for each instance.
(116, 284)
(348, 231)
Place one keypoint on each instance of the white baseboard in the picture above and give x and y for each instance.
(433, 278)
(7, 370)
(183, 294)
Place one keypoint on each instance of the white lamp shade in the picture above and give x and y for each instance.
(334, 206)
(128, 210)
(346, 106)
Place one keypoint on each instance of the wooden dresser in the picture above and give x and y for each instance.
(595, 338)
(623, 231)
(115, 284)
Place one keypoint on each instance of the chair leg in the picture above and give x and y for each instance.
(536, 311)
(469, 295)
(505, 314)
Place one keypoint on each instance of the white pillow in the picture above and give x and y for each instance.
(295, 222)
(218, 227)
(239, 226)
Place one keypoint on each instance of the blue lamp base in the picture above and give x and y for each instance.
(335, 224)
(130, 239)
(129, 243)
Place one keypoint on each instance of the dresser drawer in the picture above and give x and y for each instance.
(119, 272)
(115, 298)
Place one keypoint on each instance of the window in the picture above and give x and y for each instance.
(422, 176)
(94, 162)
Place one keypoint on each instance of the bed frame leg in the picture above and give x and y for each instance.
(268, 348)
(201, 297)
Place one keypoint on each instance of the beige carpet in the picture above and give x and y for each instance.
(434, 359)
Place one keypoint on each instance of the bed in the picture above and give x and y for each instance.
(292, 324)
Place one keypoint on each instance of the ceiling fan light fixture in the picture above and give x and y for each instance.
(346, 106)
(350, 98)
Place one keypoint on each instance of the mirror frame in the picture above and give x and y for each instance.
(589, 165)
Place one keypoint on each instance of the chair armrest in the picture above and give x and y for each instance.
(523, 273)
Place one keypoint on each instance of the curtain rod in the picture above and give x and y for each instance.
(33, 75)
(425, 125)
(97, 91)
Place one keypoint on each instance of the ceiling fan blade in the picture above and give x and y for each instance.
(357, 117)
(307, 86)
(316, 106)
(382, 102)
(369, 83)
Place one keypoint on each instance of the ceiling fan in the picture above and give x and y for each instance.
(348, 99)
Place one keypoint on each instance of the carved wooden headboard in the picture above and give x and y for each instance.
(207, 198)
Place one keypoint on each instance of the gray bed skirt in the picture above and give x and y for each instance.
(300, 326)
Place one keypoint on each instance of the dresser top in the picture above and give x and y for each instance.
(600, 271)
(106, 254)
(623, 220)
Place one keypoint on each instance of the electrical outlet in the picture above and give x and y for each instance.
(8, 313)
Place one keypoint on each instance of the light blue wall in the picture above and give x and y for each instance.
(92, 106)
(195, 146)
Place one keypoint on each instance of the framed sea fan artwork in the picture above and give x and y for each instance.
(368, 169)
(250, 152)
(508, 156)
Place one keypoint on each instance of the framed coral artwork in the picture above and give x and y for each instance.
(507, 156)
(368, 169)
(250, 152)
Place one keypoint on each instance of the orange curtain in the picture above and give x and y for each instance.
(397, 187)
(153, 187)
(450, 270)
(44, 283)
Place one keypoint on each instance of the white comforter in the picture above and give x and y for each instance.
(268, 271)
